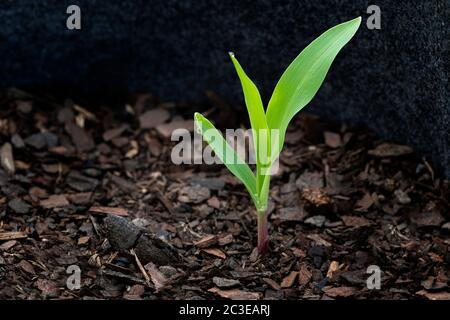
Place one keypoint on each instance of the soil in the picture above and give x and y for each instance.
(94, 188)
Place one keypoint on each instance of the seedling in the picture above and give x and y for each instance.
(295, 89)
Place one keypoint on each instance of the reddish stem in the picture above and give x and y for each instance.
(263, 233)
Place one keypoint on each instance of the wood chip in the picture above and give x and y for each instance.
(26, 266)
(14, 235)
(86, 113)
(364, 203)
(8, 245)
(236, 294)
(434, 295)
(225, 283)
(7, 159)
(109, 210)
(225, 239)
(340, 291)
(55, 201)
(153, 118)
(83, 240)
(333, 140)
(193, 194)
(114, 133)
(297, 213)
(206, 241)
(157, 277)
(213, 202)
(304, 275)
(81, 198)
(298, 252)
(311, 180)
(82, 139)
(215, 252)
(356, 221)
(289, 280)
(430, 217)
(19, 206)
(390, 150)
(272, 284)
(166, 129)
(334, 266)
(319, 240)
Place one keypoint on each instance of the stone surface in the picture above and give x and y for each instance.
(394, 80)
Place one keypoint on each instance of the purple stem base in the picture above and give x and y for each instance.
(263, 233)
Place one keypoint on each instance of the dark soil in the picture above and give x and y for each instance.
(73, 177)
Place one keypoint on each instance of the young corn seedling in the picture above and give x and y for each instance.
(295, 89)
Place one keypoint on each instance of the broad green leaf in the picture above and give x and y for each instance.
(261, 136)
(226, 153)
(303, 78)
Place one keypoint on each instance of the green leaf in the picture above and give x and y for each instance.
(261, 136)
(303, 78)
(226, 154)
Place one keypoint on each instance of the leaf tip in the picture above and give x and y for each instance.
(357, 21)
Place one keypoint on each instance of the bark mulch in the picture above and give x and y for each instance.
(95, 188)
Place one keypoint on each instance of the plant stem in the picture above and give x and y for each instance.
(263, 232)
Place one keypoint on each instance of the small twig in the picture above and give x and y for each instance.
(165, 202)
(430, 169)
(246, 229)
(12, 235)
(141, 268)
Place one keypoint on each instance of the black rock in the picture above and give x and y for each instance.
(393, 80)
(121, 233)
(124, 235)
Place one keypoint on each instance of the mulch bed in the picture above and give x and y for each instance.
(95, 188)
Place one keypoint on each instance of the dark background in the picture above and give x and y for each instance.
(393, 80)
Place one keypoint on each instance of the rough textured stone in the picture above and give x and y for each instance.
(394, 80)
